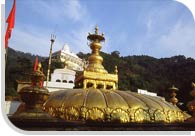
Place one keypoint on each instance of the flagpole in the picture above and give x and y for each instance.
(6, 54)
(53, 37)
(11, 22)
(6, 68)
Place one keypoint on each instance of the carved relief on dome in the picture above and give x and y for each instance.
(172, 116)
(71, 113)
(180, 116)
(95, 114)
(151, 111)
(131, 112)
(109, 107)
(141, 115)
(52, 111)
(115, 115)
(159, 115)
(120, 115)
(107, 115)
(83, 113)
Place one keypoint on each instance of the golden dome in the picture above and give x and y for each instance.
(94, 104)
(111, 106)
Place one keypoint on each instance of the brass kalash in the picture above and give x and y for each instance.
(33, 97)
(191, 105)
(99, 100)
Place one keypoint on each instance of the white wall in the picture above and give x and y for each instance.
(11, 106)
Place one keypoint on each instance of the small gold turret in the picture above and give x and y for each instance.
(94, 74)
(39, 67)
(116, 70)
(191, 104)
(33, 97)
(173, 90)
(37, 77)
(95, 60)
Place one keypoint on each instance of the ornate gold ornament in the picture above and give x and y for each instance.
(191, 104)
(173, 90)
(94, 75)
(33, 97)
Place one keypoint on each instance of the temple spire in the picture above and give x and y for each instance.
(96, 30)
(95, 75)
(95, 60)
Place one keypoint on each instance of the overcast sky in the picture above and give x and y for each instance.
(158, 28)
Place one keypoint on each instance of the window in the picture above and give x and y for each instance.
(89, 85)
(100, 86)
(58, 80)
(64, 81)
(109, 87)
(70, 81)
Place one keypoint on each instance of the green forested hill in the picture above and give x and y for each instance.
(144, 72)
(18, 63)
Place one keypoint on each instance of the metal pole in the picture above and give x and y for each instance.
(6, 54)
(53, 37)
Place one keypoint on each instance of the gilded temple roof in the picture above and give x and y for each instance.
(107, 106)
(99, 100)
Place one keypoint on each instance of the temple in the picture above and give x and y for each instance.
(98, 98)
(96, 103)
(63, 78)
(66, 56)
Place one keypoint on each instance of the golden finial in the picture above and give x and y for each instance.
(193, 85)
(96, 30)
(191, 104)
(173, 90)
(94, 72)
(39, 67)
(33, 97)
(116, 70)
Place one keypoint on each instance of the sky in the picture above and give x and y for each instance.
(158, 28)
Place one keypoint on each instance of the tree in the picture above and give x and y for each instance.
(115, 54)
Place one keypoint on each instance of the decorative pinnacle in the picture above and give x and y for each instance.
(53, 37)
(96, 36)
(96, 30)
(116, 70)
(39, 67)
(191, 104)
(173, 90)
(192, 93)
(193, 85)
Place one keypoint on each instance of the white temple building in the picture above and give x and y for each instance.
(146, 92)
(64, 78)
(65, 55)
(61, 79)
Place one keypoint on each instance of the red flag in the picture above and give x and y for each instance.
(11, 21)
(36, 63)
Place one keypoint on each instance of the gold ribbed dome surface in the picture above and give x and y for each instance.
(111, 106)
